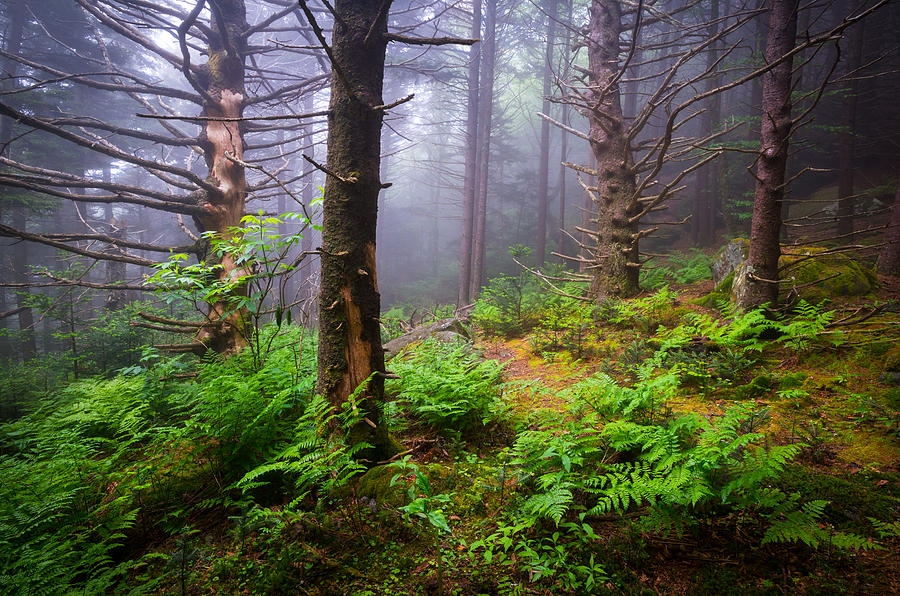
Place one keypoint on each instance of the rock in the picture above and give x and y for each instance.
(739, 287)
(728, 258)
(446, 330)
(811, 274)
(824, 275)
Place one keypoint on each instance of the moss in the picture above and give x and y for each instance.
(722, 292)
(829, 275)
(892, 360)
(852, 499)
(758, 387)
(792, 380)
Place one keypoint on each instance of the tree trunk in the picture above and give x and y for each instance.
(20, 250)
(564, 145)
(846, 138)
(889, 259)
(544, 165)
(350, 350)
(470, 183)
(485, 110)
(707, 183)
(617, 247)
(223, 80)
(762, 264)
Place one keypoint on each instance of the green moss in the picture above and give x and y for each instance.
(852, 499)
(892, 360)
(792, 380)
(825, 276)
(759, 387)
(722, 292)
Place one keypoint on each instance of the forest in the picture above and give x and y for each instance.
(449, 297)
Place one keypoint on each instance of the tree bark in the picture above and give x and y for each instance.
(540, 252)
(707, 178)
(889, 259)
(847, 137)
(350, 350)
(485, 111)
(19, 251)
(564, 144)
(470, 183)
(775, 129)
(223, 82)
(616, 273)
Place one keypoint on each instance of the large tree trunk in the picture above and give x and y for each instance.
(470, 182)
(616, 273)
(762, 264)
(544, 165)
(889, 259)
(223, 80)
(485, 111)
(350, 351)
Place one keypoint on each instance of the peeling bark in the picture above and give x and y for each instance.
(223, 82)
(350, 349)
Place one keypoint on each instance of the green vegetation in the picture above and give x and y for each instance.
(621, 444)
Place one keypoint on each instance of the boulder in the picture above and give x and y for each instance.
(728, 258)
(446, 330)
(811, 273)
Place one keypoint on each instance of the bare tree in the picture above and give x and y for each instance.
(238, 76)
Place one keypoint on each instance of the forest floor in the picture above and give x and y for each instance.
(646, 446)
(829, 397)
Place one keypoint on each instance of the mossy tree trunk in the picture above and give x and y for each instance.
(616, 269)
(775, 130)
(350, 350)
(221, 81)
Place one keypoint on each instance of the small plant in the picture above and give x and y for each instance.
(258, 253)
(423, 502)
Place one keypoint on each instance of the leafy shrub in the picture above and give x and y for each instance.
(447, 386)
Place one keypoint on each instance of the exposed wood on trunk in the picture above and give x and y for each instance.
(223, 84)
(350, 349)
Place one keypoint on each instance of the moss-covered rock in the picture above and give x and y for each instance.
(817, 275)
(722, 293)
(755, 389)
(728, 258)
